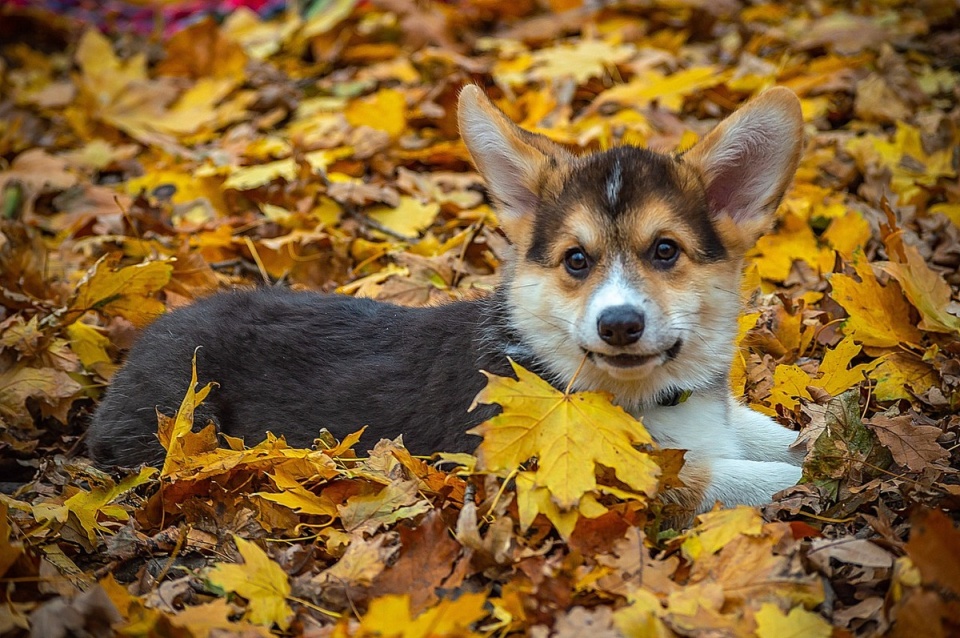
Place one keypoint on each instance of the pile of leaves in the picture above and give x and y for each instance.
(321, 152)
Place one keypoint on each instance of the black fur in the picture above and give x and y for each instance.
(646, 175)
(292, 363)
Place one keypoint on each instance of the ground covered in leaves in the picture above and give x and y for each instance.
(320, 151)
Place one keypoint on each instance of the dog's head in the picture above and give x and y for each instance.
(631, 259)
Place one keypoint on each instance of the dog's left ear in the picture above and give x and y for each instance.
(747, 162)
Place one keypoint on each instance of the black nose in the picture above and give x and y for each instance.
(620, 325)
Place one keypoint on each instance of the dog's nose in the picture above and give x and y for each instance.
(620, 325)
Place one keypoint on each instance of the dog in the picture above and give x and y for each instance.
(625, 265)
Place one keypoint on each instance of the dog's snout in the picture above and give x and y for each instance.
(620, 325)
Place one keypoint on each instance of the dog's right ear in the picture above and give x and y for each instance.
(511, 160)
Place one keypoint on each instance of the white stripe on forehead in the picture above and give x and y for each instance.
(615, 290)
(614, 184)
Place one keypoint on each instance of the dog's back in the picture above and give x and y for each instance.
(293, 363)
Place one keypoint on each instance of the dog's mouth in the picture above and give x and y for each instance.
(636, 360)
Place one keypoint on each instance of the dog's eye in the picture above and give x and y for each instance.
(576, 262)
(666, 252)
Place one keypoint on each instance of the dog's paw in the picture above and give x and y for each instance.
(742, 482)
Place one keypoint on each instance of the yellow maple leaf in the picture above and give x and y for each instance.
(183, 422)
(369, 512)
(581, 60)
(102, 71)
(188, 188)
(641, 617)
(390, 616)
(668, 90)
(124, 292)
(296, 497)
(385, 110)
(716, 529)
(409, 218)
(901, 375)
(924, 287)
(260, 580)
(836, 377)
(211, 619)
(738, 370)
(87, 506)
(848, 233)
(90, 347)
(570, 434)
(790, 382)
(911, 167)
(799, 623)
(878, 315)
(774, 254)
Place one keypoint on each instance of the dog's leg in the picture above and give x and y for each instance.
(761, 438)
(733, 482)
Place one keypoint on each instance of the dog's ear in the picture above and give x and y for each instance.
(511, 160)
(747, 161)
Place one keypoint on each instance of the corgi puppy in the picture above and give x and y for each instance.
(625, 264)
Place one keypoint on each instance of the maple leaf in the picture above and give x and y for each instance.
(172, 440)
(570, 434)
(912, 446)
(385, 110)
(123, 292)
(879, 315)
(298, 498)
(396, 501)
(213, 619)
(669, 90)
(10, 549)
(924, 287)
(773, 255)
(716, 529)
(903, 375)
(390, 616)
(791, 383)
(408, 219)
(799, 623)
(19, 382)
(350, 576)
(86, 506)
(260, 580)
(839, 443)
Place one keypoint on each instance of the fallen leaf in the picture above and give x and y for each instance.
(879, 315)
(125, 292)
(799, 623)
(570, 434)
(260, 580)
(396, 501)
(912, 446)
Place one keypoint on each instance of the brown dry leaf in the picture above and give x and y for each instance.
(429, 551)
(912, 446)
